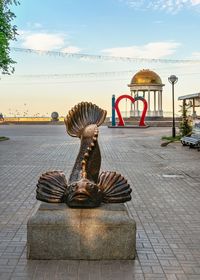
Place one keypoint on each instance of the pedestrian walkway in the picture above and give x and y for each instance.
(165, 202)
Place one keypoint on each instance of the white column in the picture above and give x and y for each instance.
(144, 93)
(158, 103)
(154, 103)
(161, 103)
(149, 103)
(134, 104)
(131, 105)
(137, 111)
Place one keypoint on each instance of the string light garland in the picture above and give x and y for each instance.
(76, 75)
(105, 58)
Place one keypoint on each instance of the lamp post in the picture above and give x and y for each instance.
(173, 80)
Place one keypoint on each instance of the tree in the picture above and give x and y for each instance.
(185, 126)
(8, 32)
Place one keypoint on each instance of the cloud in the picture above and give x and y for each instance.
(37, 25)
(43, 41)
(195, 2)
(71, 49)
(150, 50)
(168, 5)
(46, 41)
(34, 25)
(196, 55)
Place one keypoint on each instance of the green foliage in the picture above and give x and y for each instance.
(172, 139)
(185, 126)
(8, 32)
(2, 138)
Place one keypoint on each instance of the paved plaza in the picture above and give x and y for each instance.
(165, 202)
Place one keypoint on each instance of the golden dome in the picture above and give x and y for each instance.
(146, 77)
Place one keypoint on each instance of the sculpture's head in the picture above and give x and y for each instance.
(84, 193)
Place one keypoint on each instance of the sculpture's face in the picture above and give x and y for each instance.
(84, 193)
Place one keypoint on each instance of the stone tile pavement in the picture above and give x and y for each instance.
(165, 203)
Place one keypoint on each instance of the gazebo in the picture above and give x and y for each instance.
(148, 84)
(194, 100)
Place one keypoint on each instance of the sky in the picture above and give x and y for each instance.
(46, 82)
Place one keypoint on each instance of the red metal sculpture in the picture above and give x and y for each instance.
(121, 121)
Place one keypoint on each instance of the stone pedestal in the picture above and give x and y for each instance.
(59, 232)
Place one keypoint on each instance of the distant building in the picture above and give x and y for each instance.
(147, 84)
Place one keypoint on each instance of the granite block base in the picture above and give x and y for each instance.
(59, 232)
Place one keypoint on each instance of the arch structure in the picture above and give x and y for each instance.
(147, 84)
(133, 100)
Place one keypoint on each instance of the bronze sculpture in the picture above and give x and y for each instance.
(86, 188)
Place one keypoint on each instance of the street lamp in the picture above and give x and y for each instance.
(173, 80)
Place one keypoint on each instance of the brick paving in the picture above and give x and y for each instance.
(165, 203)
